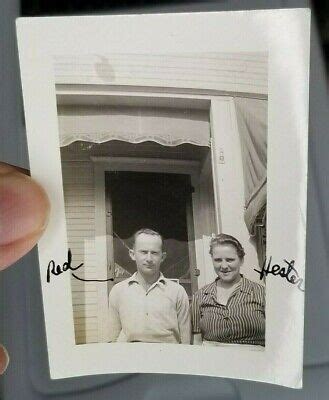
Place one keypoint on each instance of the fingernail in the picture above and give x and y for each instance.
(8, 168)
(24, 207)
(4, 359)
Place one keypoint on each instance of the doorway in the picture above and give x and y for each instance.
(159, 201)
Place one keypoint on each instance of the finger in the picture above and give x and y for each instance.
(6, 168)
(4, 359)
(24, 210)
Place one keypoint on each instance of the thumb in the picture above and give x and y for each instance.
(24, 209)
(4, 359)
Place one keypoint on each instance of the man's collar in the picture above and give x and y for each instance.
(134, 278)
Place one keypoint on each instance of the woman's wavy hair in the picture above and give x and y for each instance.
(224, 239)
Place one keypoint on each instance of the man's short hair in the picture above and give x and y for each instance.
(146, 231)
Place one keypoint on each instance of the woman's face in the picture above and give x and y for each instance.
(226, 263)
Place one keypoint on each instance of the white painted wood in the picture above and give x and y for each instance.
(209, 272)
(205, 217)
(88, 296)
(191, 243)
(85, 212)
(228, 179)
(197, 218)
(235, 72)
(89, 95)
(109, 236)
(207, 197)
(104, 94)
(87, 337)
(101, 252)
(147, 165)
(80, 322)
(87, 311)
(81, 286)
(78, 186)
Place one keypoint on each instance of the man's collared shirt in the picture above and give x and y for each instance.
(159, 314)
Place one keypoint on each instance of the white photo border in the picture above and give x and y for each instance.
(285, 36)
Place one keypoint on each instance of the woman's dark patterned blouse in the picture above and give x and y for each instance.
(241, 321)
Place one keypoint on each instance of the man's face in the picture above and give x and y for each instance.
(147, 253)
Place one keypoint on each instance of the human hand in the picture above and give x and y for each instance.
(24, 210)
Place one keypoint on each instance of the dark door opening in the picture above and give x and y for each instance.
(158, 201)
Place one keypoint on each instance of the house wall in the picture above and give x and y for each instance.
(230, 72)
(79, 192)
(78, 184)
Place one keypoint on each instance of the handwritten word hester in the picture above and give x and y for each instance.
(288, 272)
(55, 269)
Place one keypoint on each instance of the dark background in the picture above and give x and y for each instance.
(71, 7)
(156, 201)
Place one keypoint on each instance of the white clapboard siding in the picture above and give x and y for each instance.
(85, 311)
(88, 337)
(233, 72)
(82, 256)
(88, 297)
(91, 333)
(81, 221)
(79, 322)
(87, 249)
(86, 212)
(83, 335)
(78, 184)
(83, 286)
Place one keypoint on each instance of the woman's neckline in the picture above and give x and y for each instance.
(228, 287)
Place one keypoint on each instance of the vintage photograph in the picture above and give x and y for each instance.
(175, 161)
(166, 207)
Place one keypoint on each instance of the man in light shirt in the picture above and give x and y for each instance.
(147, 307)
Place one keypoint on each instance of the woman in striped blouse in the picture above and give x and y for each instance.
(232, 308)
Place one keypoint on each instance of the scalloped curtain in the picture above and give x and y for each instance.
(166, 126)
(252, 125)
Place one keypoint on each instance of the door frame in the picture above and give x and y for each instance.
(134, 164)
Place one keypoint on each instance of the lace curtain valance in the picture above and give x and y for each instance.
(166, 126)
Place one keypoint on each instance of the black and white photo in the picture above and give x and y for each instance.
(175, 160)
(134, 161)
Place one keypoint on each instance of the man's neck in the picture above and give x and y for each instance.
(147, 281)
